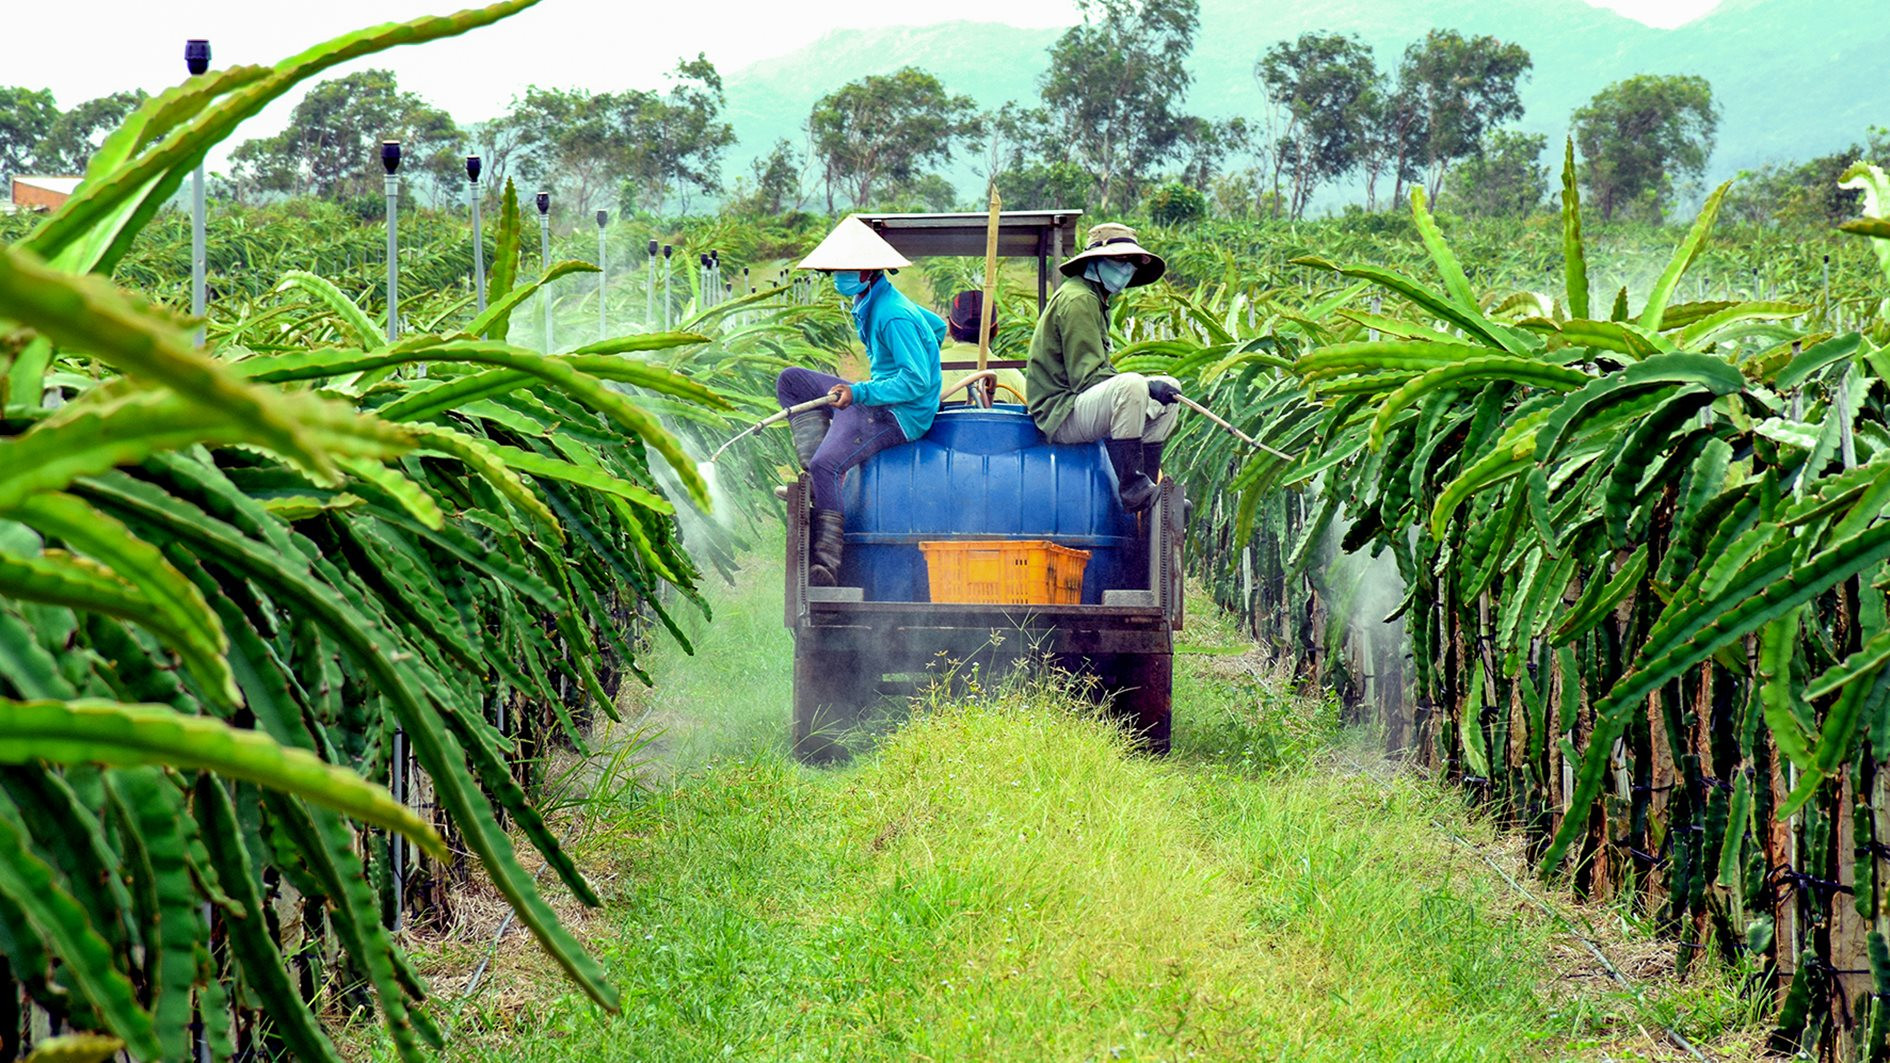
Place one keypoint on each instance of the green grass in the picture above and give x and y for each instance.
(1003, 879)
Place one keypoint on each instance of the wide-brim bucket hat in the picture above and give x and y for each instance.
(854, 245)
(1110, 239)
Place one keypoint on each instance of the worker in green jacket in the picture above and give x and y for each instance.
(1076, 394)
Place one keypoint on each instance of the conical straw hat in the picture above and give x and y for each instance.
(854, 245)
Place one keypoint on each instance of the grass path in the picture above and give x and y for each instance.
(1001, 881)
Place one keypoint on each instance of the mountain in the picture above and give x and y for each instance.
(1794, 78)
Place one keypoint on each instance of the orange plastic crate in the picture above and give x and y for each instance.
(1005, 572)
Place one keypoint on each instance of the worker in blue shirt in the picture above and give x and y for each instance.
(896, 402)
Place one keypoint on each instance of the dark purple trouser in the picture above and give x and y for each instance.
(856, 433)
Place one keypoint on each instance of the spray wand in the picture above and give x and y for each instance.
(1242, 436)
(773, 418)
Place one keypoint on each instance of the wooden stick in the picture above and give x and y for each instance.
(989, 305)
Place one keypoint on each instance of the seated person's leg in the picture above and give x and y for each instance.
(1116, 411)
(858, 432)
(795, 386)
(1113, 409)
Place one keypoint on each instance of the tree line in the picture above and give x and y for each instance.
(1108, 131)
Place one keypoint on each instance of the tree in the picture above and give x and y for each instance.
(1115, 87)
(885, 128)
(1804, 193)
(675, 141)
(572, 142)
(1507, 180)
(1205, 145)
(1325, 91)
(330, 147)
(1176, 203)
(26, 116)
(1023, 158)
(501, 144)
(1639, 135)
(777, 181)
(69, 143)
(1458, 89)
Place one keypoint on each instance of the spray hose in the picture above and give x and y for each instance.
(828, 400)
(773, 418)
(825, 400)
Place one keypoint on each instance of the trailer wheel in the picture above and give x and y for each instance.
(829, 696)
(1143, 686)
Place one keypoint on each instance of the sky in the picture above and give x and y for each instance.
(119, 44)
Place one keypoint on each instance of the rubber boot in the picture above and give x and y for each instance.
(1152, 467)
(1152, 460)
(1133, 486)
(809, 429)
(823, 563)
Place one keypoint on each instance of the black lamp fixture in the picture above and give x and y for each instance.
(603, 217)
(197, 55)
(390, 156)
(667, 250)
(473, 166)
(653, 248)
(543, 200)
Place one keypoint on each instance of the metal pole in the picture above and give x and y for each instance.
(544, 260)
(603, 271)
(390, 161)
(667, 251)
(197, 59)
(479, 237)
(649, 298)
(398, 777)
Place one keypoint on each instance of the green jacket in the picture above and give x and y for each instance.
(1069, 352)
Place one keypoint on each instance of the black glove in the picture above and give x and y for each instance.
(1163, 392)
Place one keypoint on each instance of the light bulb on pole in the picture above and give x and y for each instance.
(197, 61)
(649, 299)
(543, 199)
(473, 166)
(603, 271)
(390, 162)
(668, 250)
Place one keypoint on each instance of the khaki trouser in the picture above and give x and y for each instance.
(1118, 408)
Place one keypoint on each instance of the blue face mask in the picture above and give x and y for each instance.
(1114, 274)
(848, 283)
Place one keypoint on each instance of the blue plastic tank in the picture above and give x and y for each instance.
(984, 474)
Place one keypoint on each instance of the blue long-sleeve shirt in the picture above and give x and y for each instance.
(902, 340)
